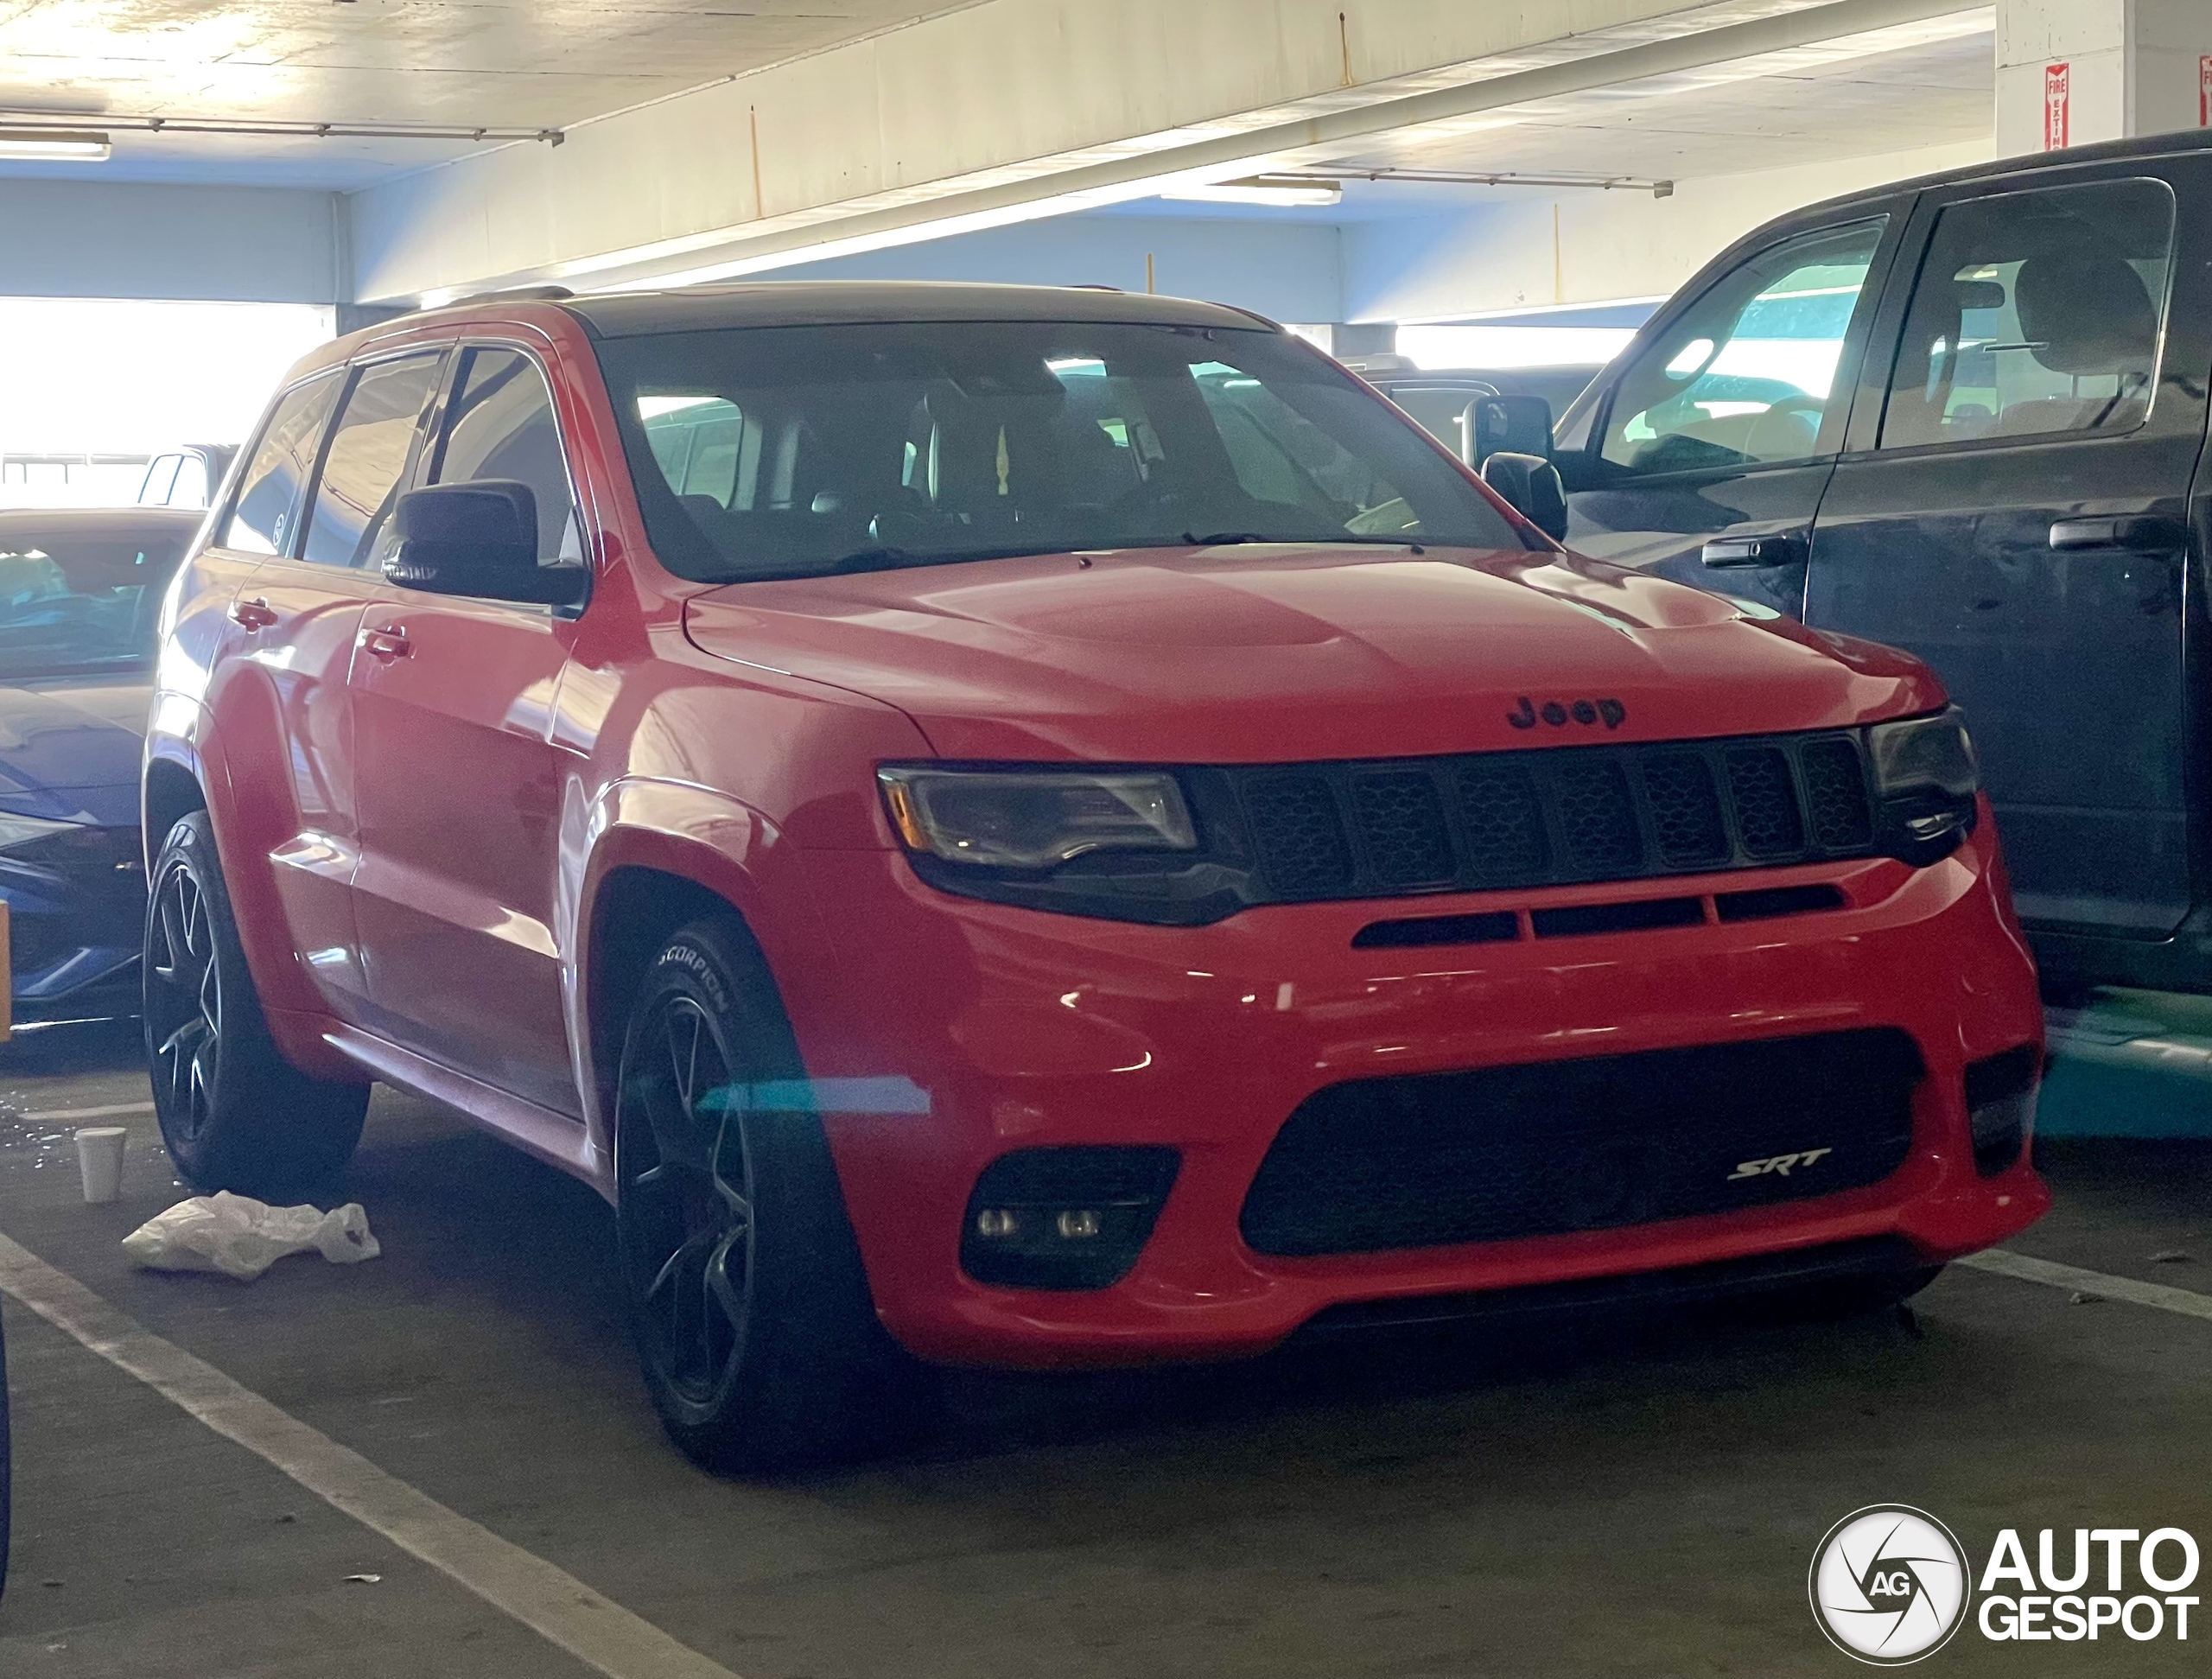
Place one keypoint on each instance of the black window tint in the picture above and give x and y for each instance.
(1744, 376)
(500, 425)
(2035, 312)
(262, 519)
(367, 458)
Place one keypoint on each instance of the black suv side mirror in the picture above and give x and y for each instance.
(1531, 488)
(1523, 424)
(477, 539)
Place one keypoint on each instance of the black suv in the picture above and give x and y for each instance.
(1965, 415)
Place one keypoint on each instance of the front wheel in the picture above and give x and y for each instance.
(745, 1295)
(235, 1114)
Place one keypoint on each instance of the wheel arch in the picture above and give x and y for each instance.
(644, 884)
(171, 792)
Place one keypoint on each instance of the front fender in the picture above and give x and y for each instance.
(716, 842)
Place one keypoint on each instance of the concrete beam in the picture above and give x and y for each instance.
(246, 245)
(1588, 247)
(1015, 109)
(1287, 270)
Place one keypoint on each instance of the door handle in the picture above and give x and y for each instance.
(386, 643)
(1781, 548)
(2133, 530)
(255, 615)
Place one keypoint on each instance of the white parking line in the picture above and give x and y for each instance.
(2027, 1269)
(112, 1110)
(557, 1605)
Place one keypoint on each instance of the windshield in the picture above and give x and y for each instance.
(788, 451)
(72, 604)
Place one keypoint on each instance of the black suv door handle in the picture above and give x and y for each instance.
(1783, 548)
(2133, 530)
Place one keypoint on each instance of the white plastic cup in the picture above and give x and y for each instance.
(99, 1157)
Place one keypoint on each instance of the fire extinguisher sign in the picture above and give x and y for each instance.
(2057, 103)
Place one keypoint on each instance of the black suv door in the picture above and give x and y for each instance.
(1719, 430)
(2011, 507)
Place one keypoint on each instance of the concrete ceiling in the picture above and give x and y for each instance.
(1728, 120)
(1933, 93)
(498, 64)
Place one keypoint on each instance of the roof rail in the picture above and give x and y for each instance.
(512, 295)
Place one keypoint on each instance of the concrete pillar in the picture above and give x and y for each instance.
(2074, 72)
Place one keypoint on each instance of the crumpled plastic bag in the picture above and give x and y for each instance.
(243, 1237)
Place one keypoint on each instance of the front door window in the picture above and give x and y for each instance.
(1744, 377)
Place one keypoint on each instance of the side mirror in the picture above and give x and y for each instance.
(1523, 424)
(477, 539)
(1531, 488)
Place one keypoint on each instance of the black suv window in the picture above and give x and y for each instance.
(261, 520)
(2035, 312)
(367, 458)
(1743, 377)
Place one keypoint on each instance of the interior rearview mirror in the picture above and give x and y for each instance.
(1531, 488)
(477, 539)
(1523, 424)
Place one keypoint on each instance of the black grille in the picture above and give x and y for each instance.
(1504, 1152)
(1553, 817)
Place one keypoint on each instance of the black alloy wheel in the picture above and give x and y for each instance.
(756, 1333)
(235, 1114)
(183, 1002)
(687, 1202)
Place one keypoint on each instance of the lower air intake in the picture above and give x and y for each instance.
(1430, 1159)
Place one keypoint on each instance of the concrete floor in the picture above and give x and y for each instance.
(1579, 1505)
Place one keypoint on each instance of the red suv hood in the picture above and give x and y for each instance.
(1278, 653)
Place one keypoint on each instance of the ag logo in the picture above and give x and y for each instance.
(1889, 1585)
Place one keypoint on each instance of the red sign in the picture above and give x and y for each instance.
(2056, 103)
(2204, 90)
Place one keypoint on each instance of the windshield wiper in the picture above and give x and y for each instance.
(1236, 538)
(893, 559)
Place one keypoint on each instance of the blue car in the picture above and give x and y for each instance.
(81, 590)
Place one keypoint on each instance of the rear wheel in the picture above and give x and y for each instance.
(746, 1293)
(235, 1114)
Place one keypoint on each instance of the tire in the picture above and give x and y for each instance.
(742, 1281)
(235, 1114)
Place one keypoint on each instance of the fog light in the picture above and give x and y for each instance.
(2001, 1107)
(1073, 1217)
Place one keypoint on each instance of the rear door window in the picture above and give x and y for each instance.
(1744, 378)
(262, 519)
(366, 461)
(2035, 312)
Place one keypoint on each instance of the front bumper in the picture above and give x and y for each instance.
(75, 915)
(1014, 1029)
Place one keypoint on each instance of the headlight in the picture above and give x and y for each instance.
(16, 831)
(1925, 773)
(1035, 819)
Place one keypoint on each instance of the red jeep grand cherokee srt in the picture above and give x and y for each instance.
(1055, 825)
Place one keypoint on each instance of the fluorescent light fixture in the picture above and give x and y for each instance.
(1288, 191)
(77, 145)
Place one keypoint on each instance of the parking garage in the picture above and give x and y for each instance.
(1250, 839)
